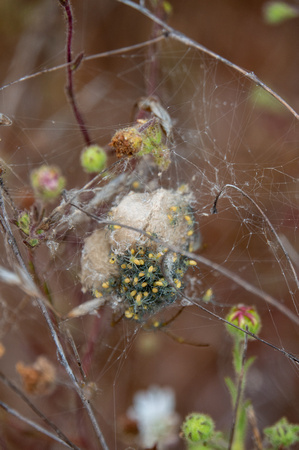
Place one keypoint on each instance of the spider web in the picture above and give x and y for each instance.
(230, 139)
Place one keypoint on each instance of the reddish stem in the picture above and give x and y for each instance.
(70, 69)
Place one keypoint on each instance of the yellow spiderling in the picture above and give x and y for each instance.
(191, 262)
(135, 184)
(138, 298)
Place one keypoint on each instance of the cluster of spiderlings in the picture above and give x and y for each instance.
(146, 283)
(175, 213)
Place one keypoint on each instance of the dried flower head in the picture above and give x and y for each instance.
(144, 138)
(39, 378)
(140, 275)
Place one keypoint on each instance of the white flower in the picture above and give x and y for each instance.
(154, 412)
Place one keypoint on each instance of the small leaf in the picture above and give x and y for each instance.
(277, 12)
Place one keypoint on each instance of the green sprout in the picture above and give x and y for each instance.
(33, 235)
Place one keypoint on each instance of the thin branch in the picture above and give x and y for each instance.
(60, 434)
(272, 229)
(74, 348)
(85, 58)
(66, 4)
(178, 36)
(70, 373)
(253, 422)
(42, 305)
(37, 427)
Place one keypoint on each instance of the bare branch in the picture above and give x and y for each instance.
(178, 36)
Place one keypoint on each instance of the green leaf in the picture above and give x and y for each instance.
(232, 389)
(277, 12)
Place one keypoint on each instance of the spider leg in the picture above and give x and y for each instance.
(162, 326)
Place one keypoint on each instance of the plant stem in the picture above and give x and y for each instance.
(237, 434)
(66, 4)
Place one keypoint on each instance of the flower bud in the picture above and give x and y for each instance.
(93, 159)
(243, 316)
(47, 182)
(198, 428)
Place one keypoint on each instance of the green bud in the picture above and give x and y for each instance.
(93, 159)
(198, 428)
(283, 434)
(47, 182)
(243, 316)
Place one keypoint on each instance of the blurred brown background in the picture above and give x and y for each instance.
(125, 358)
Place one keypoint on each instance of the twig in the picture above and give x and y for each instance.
(256, 434)
(61, 435)
(177, 35)
(42, 305)
(74, 348)
(84, 58)
(71, 66)
(153, 64)
(37, 427)
(272, 229)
